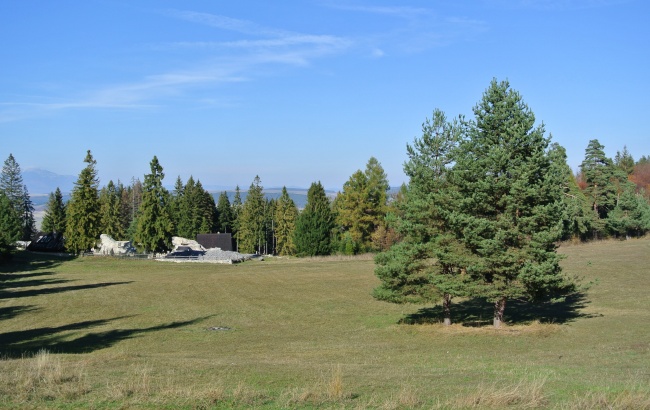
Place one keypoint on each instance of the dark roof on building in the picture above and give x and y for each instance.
(215, 240)
(49, 242)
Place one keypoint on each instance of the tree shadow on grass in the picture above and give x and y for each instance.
(47, 291)
(57, 339)
(479, 312)
(13, 283)
(25, 261)
(10, 312)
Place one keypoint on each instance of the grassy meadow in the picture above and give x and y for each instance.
(99, 332)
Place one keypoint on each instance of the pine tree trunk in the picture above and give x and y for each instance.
(446, 308)
(499, 308)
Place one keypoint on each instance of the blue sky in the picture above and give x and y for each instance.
(301, 91)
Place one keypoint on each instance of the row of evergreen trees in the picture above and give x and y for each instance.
(606, 198)
(149, 215)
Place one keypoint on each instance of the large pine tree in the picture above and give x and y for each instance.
(83, 218)
(508, 203)
(154, 224)
(314, 225)
(421, 267)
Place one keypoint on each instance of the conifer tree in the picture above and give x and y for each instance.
(10, 226)
(110, 208)
(224, 212)
(83, 219)
(251, 232)
(314, 225)
(131, 200)
(577, 215)
(624, 161)
(508, 203)
(361, 207)
(154, 223)
(286, 214)
(54, 219)
(236, 213)
(11, 183)
(27, 216)
(352, 208)
(186, 208)
(269, 226)
(422, 267)
(175, 204)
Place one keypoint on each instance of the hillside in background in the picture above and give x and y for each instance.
(41, 181)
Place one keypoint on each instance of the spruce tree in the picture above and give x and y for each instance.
(236, 213)
(131, 198)
(251, 232)
(154, 224)
(224, 214)
(83, 218)
(286, 214)
(110, 208)
(624, 161)
(10, 226)
(577, 216)
(314, 225)
(54, 219)
(27, 216)
(11, 183)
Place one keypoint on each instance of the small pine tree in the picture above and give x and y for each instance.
(236, 213)
(224, 214)
(154, 224)
(251, 233)
(286, 214)
(314, 225)
(110, 208)
(54, 219)
(10, 226)
(83, 218)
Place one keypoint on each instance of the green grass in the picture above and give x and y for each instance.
(305, 333)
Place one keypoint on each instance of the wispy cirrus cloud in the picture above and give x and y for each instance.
(554, 5)
(226, 62)
(252, 51)
(414, 29)
(396, 11)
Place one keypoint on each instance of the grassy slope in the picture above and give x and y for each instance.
(307, 332)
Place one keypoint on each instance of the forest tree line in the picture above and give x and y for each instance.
(605, 198)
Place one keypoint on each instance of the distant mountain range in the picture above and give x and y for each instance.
(42, 182)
